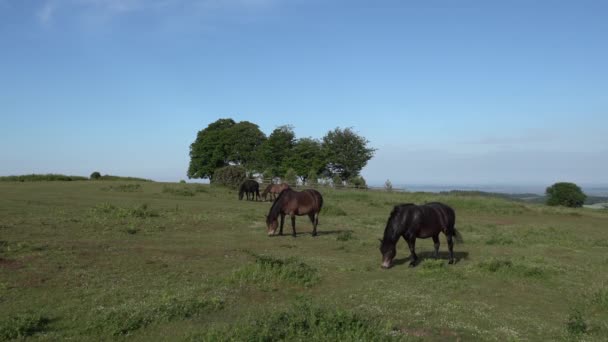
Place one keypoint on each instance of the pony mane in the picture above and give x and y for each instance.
(390, 232)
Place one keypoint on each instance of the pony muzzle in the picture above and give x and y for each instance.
(386, 264)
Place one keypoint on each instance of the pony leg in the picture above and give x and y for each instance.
(282, 222)
(314, 224)
(451, 248)
(436, 241)
(293, 225)
(412, 244)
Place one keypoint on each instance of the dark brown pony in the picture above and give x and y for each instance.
(308, 202)
(250, 187)
(274, 190)
(412, 221)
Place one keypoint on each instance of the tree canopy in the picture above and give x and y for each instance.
(346, 152)
(566, 194)
(222, 143)
(341, 152)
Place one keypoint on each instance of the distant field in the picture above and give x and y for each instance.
(97, 260)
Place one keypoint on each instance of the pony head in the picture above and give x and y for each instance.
(388, 252)
(271, 226)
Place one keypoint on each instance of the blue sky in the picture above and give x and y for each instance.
(449, 92)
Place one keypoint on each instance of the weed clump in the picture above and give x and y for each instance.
(268, 270)
(183, 191)
(332, 210)
(345, 235)
(107, 209)
(129, 317)
(495, 265)
(22, 325)
(303, 322)
(576, 324)
(124, 188)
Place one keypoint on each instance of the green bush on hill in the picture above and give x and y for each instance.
(566, 194)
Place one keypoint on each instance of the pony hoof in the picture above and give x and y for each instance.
(412, 264)
(451, 261)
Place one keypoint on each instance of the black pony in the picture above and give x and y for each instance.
(418, 221)
(250, 187)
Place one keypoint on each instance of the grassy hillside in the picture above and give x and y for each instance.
(92, 260)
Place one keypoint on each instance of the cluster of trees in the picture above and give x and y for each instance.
(340, 154)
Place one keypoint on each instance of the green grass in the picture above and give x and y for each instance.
(90, 260)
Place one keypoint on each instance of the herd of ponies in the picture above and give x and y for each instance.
(408, 220)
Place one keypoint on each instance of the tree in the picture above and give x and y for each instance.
(291, 177)
(95, 175)
(231, 176)
(566, 194)
(388, 186)
(276, 149)
(222, 143)
(346, 152)
(313, 178)
(306, 156)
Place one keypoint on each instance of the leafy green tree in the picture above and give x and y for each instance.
(267, 175)
(231, 176)
(222, 143)
(306, 155)
(566, 194)
(291, 177)
(95, 175)
(388, 186)
(242, 141)
(346, 151)
(313, 178)
(276, 149)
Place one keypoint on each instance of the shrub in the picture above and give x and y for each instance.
(358, 182)
(22, 325)
(41, 178)
(231, 176)
(182, 182)
(267, 270)
(304, 322)
(388, 186)
(178, 191)
(95, 175)
(566, 194)
(576, 324)
(129, 317)
(345, 235)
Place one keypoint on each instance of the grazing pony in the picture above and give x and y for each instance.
(308, 202)
(412, 221)
(250, 187)
(274, 190)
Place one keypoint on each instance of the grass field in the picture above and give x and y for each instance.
(95, 260)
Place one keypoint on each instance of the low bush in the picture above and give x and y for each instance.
(267, 270)
(303, 322)
(41, 178)
(129, 317)
(22, 325)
